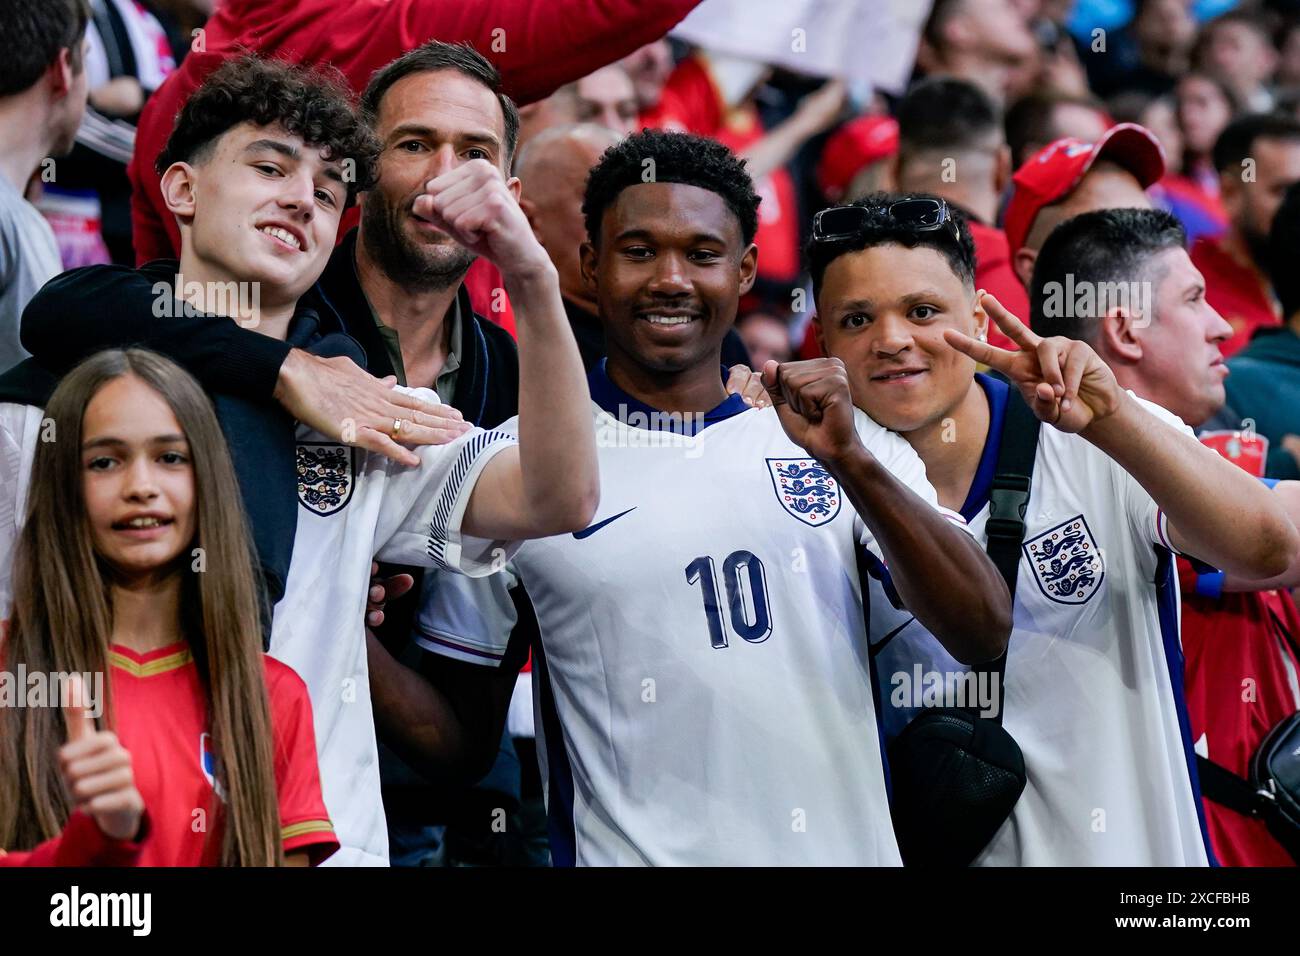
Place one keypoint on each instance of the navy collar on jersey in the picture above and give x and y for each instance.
(997, 392)
(631, 411)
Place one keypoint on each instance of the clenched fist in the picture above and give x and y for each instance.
(813, 402)
(473, 205)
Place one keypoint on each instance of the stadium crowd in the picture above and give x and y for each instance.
(506, 433)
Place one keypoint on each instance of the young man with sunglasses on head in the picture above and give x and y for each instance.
(1092, 689)
(703, 673)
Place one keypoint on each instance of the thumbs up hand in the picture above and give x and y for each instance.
(97, 769)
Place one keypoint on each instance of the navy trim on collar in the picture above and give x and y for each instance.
(621, 405)
(998, 393)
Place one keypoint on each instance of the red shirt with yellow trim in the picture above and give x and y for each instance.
(161, 718)
(82, 843)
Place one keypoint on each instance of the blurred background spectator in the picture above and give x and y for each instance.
(606, 98)
(129, 52)
(1257, 158)
(42, 99)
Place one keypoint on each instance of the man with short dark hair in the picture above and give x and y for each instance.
(1133, 263)
(42, 99)
(1151, 323)
(1257, 158)
(1092, 690)
(1040, 118)
(950, 144)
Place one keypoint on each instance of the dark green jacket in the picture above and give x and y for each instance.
(1264, 386)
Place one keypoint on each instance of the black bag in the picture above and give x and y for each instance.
(1272, 793)
(956, 775)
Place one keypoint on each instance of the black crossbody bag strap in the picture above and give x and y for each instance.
(1008, 502)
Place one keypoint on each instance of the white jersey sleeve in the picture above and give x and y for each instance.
(1147, 519)
(20, 427)
(900, 460)
(469, 619)
(423, 507)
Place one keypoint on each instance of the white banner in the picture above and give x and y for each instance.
(863, 41)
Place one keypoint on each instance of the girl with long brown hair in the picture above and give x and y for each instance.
(135, 563)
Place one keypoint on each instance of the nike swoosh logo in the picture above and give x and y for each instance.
(588, 532)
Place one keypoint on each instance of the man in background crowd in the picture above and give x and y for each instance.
(1041, 118)
(951, 145)
(1264, 386)
(1257, 158)
(1163, 342)
(42, 99)
(982, 41)
(1069, 177)
(603, 98)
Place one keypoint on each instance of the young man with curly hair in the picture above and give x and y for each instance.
(261, 164)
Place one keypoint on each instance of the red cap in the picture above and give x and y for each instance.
(1055, 170)
(854, 146)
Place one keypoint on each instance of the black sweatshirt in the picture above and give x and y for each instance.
(87, 310)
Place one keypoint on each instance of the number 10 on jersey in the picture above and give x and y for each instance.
(746, 584)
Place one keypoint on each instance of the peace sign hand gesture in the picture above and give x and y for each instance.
(1063, 380)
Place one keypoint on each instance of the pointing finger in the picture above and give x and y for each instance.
(982, 352)
(76, 709)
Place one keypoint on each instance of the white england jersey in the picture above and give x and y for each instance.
(1094, 672)
(354, 505)
(20, 430)
(703, 689)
